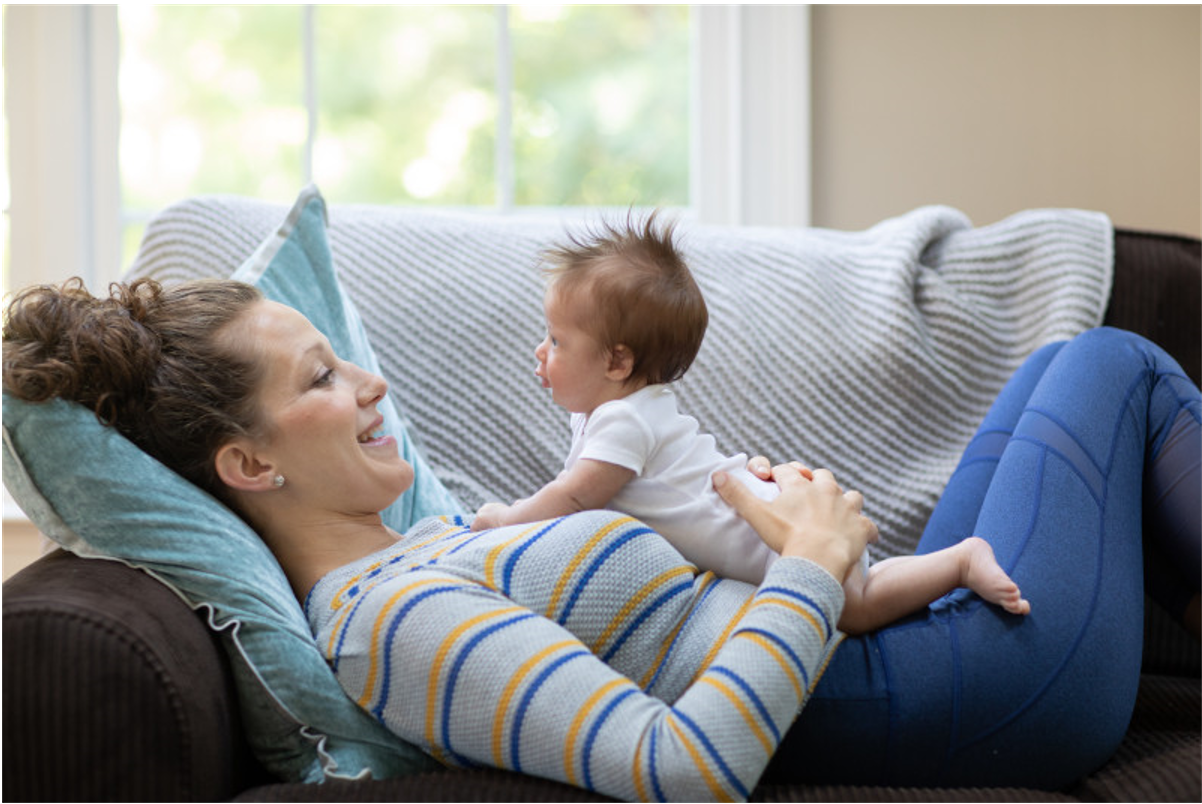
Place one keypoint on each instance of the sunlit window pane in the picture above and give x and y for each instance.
(601, 104)
(212, 101)
(407, 98)
(5, 248)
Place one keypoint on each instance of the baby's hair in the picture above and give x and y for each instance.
(639, 291)
(149, 361)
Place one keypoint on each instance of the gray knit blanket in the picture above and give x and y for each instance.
(874, 353)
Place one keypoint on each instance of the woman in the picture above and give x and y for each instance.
(518, 647)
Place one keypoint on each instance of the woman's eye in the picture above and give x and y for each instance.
(326, 378)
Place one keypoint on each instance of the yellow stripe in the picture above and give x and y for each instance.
(578, 722)
(341, 621)
(498, 728)
(698, 760)
(830, 654)
(337, 603)
(706, 579)
(465, 535)
(776, 654)
(789, 604)
(440, 656)
(721, 640)
(743, 710)
(581, 554)
(381, 618)
(636, 600)
(490, 561)
(640, 787)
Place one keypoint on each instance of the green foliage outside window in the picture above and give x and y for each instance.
(213, 101)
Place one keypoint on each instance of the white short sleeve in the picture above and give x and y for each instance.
(616, 433)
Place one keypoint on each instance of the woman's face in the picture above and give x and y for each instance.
(323, 433)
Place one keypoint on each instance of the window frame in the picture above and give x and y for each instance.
(750, 143)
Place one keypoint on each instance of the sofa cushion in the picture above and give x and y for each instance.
(117, 502)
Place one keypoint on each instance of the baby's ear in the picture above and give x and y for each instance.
(621, 363)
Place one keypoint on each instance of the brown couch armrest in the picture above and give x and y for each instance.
(113, 690)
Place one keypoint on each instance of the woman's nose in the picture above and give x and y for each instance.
(372, 387)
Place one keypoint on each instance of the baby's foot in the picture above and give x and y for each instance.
(983, 575)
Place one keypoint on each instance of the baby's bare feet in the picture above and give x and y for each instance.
(983, 575)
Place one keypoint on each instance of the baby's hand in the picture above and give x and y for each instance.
(761, 467)
(490, 515)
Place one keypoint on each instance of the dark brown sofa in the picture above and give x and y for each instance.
(115, 690)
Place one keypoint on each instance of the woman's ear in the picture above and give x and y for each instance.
(239, 468)
(621, 363)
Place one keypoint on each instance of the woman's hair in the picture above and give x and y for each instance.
(149, 361)
(639, 290)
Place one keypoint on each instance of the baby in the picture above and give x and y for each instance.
(625, 319)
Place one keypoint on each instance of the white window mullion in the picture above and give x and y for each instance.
(65, 188)
(751, 154)
(309, 61)
(504, 136)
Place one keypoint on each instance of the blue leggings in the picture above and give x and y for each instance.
(1055, 479)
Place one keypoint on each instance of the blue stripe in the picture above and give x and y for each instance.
(611, 547)
(985, 446)
(448, 693)
(587, 751)
(1040, 428)
(780, 643)
(659, 791)
(755, 699)
(512, 560)
(638, 621)
(461, 545)
(378, 709)
(346, 626)
(515, 732)
(696, 607)
(783, 592)
(726, 771)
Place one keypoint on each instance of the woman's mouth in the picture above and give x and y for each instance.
(370, 438)
(375, 436)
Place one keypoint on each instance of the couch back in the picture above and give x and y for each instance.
(873, 353)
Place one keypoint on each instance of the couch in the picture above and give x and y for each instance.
(116, 689)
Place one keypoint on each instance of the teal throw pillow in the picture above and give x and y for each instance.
(99, 496)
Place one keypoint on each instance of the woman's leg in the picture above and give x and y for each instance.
(966, 695)
(956, 514)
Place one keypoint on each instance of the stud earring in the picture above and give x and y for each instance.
(278, 481)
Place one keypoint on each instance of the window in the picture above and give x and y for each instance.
(451, 105)
(703, 107)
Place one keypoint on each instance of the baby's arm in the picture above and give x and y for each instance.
(586, 485)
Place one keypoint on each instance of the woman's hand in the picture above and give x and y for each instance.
(812, 518)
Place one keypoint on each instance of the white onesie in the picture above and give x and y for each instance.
(672, 490)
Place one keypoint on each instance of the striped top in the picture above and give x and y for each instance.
(583, 649)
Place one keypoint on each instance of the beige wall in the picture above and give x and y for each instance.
(993, 109)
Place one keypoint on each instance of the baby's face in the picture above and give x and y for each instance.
(571, 362)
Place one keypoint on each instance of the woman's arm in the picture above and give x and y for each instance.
(587, 485)
(472, 677)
